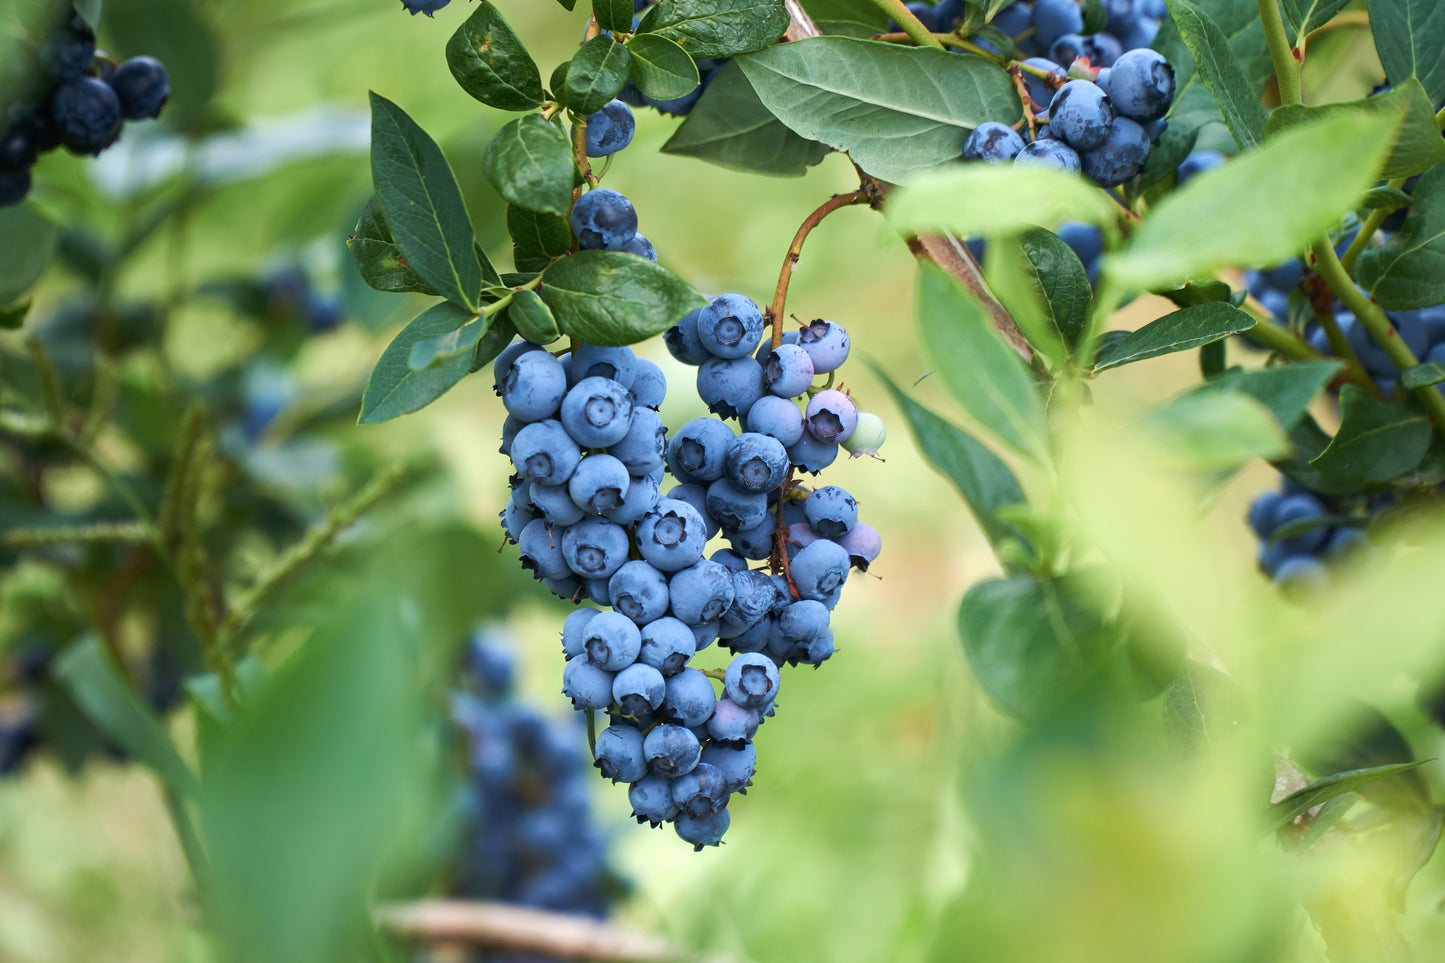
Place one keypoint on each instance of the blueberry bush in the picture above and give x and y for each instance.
(1200, 688)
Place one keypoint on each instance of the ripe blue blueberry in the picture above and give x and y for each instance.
(67, 51)
(802, 620)
(1262, 511)
(756, 462)
(704, 831)
(619, 752)
(730, 386)
(640, 498)
(1197, 163)
(597, 412)
(731, 724)
(504, 361)
(819, 569)
(533, 386)
(667, 644)
(751, 638)
(1050, 153)
(14, 185)
(730, 326)
(1141, 85)
(1053, 18)
(596, 361)
(752, 598)
(755, 542)
(702, 792)
(696, 496)
(1120, 157)
(642, 447)
(639, 689)
(730, 560)
(671, 750)
(831, 511)
(736, 763)
(649, 384)
(603, 218)
(947, 12)
(588, 686)
(594, 547)
(611, 641)
(863, 544)
(672, 536)
(831, 416)
(752, 680)
(776, 417)
(555, 504)
(787, 370)
(143, 87)
(698, 450)
(1296, 508)
(516, 515)
(1041, 91)
(1081, 113)
(599, 484)
(638, 591)
(735, 509)
(87, 113)
(427, 7)
(610, 129)
(992, 141)
(702, 592)
(640, 246)
(827, 345)
(574, 640)
(540, 549)
(1301, 571)
(690, 698)
(811, 455)
(683, 342)
(651, 799)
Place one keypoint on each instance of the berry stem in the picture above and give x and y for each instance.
(1367, 230)
(719, 675)
(778, 562)
(837, 201)
(1286, 67)
(591, 732)
(910, 24)
(579, 150)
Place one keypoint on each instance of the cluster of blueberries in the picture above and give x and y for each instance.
(531, 839)
(1056, 27)
(1297, 538)
(73, 97)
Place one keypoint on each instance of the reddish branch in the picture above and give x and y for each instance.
(837, 201)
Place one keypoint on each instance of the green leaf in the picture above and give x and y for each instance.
(422, 204)
(1199, 707)
(1408, 270)
(395, 389)
(93, 680)
(980, 369)
(537, 239)
(1304, 16)
(1214, 431)
(981, 477)
(1286, 389)
(1386, 198)
(1376, 442)
(717, 28)
(610, 298)
(860, 11)
(1298, 803)
(1221, 73)
(1194, 106)
(1423, 375)
(1028, 642)
(12, 316)
(532, 318)
(89, 11)
(1231, 215)
(568, 4)
(529, 162)
(432, 353)
(895, 110)
(1418, 146)
(1309, 439)
(1095, 16)
(1409, 35)
(596, 74)
(613, 15)
(27, 245)
(1369, 739)
(491, 64)
(660, 68)
(377, 257)
(1062, 284)
(730, 127)
(993, 199)
(1183, 329)
(1016, 285)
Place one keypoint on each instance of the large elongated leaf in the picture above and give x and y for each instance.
(1409, 35)
(1214, 431)
(1287, 390)
(490, 63)
(611, 298)
(983, 479)
(987, 199)
(377, 257)
(660, 68)
(1061, 281)
(1376, 442)
(397, 389)
(1239, 21)
(1408, 270)
(27, 243)
(992, 383)
(730, 127)
(1304, 16)
(1231, 216)
(613, 14)
(537, 239)
(895, 110)
(1216, 65)
(1298, 803)
(596, 74)
(529, 162)
(423, 204)
(717, 28)
(1417, 148)
(1183, 329)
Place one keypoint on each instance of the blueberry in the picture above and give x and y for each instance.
(777, 418)
(649, 385)
(503, 362)
(736, 763)
(533, 386)
(787, 370)
(1344, 542)
(831, 416)
(752, 598)
(586, 685)
(594, 547)
(67, 51)
(555, 504)
(1081, 114)
(705, 831)
(619, 751)
(756, 541)
(603, 218)
(863, 544)
(1104, 50)
(597, 412)
(730, 326)
(651, 799)
(690, 698)
(811, 455)
(756, 463)
(826, 343)
(671, 750)
(574, 640)
(599, 484)
(731, 723)
(1041, 92)
(87, 112)
(831, 511)
(672, 536)
(427, 7)
(639, 689)
(1301, 570)
(539, 546)
(515, 517)
(702, 792)
(802, 620)
(143, 87)
(611, 641)
(677, 106)
(947, 12)
(730, 386)
(1013, 19)
(638, 591)
(683, 342)
(667, 644)
(730, 560)
(1050, 153)
(1141, 85)
(1262, 513)
(735, 509)
(992, 141)
(14, 185)
(1294, 508)
(1140, 32)
(595, 361)
(18, 148)
(1120, 157)
(702, 592)
(1070, 47)
(820, 569)
(640, 246)
(752, 680)
(752, 638)
(698, 450)
(766, 348)
(610, 129)
(696, 496)
(1053, 18)
(1197, 163)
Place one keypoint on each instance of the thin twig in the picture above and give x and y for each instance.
(836, 202)
(76, 534)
